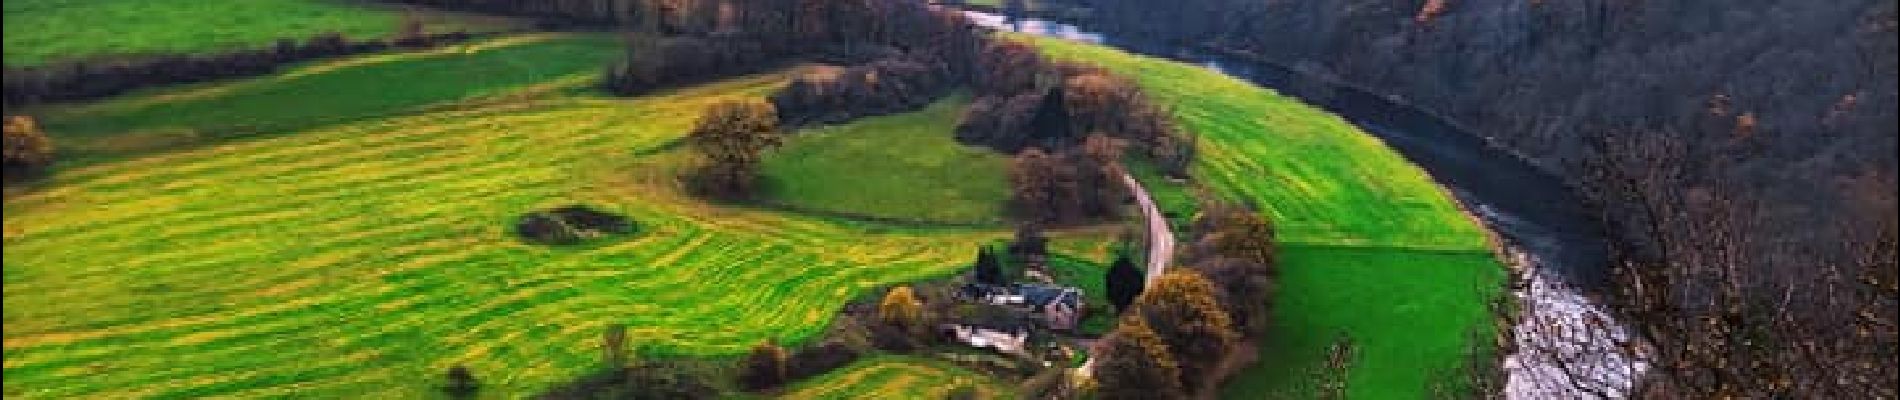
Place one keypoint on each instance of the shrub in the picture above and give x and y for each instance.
(26, 149)
(460, 384)
(765, 368)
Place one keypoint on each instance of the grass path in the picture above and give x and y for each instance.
(363, 259)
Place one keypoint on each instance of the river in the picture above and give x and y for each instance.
(1554, 246)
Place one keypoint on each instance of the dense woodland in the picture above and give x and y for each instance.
(1742, 153)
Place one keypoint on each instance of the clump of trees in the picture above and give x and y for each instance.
(1026, 101)
(1074, 186)
(1182, 309)
(881, 87)
(1135, 364)
(25, 149)
(733, 136)
(1234, 247)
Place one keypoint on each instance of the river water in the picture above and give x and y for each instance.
(1557, 251)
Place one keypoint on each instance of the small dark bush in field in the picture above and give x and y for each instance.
(570, 225)
(584, 218)
(461, 383)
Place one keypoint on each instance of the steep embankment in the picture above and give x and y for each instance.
(1372, 249)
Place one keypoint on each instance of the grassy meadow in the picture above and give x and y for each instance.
(42, 31)
(906, 167)
(361, 258)
(1373, 249)
(322, 92)
(896, 377)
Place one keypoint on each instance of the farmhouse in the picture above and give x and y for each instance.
(1056, 307)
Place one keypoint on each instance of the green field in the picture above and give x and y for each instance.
(896, 377)
(346, 89)
(1374, 249)
(906, 167)
(363, 258)
(41, 31)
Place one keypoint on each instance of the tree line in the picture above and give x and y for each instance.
(88, 79)
(708, 39)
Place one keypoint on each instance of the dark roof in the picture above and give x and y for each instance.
(1033, 294)
(1040, 295)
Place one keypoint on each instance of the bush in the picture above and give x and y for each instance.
(460, 384)
(570, 225)
(765, 368)
(816, 360)
(26, 149)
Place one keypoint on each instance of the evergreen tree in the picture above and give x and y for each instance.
(1125, 283)
(988, 269)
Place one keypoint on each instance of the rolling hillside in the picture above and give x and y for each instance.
(354, 258)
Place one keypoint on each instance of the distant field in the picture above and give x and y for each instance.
(895, 377)
(323, 92)
(38, 31)
(905, 167)
(363, 258)
(1373, 248)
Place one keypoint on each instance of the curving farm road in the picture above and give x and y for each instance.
(1160, 239)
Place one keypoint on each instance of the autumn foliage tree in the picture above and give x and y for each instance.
(901, 308)
(1069, 187)
(1135, 364)
(26, 148)
(1234, 247)
(733, 137)
(1182, 309)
